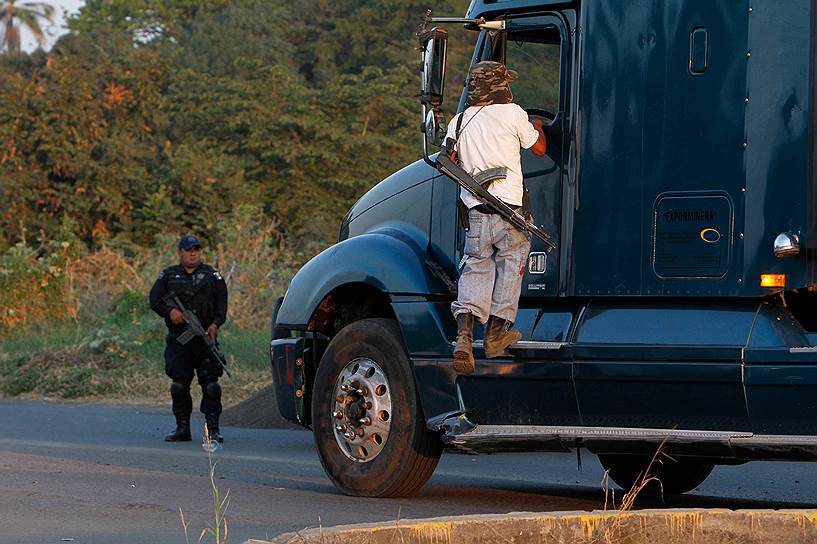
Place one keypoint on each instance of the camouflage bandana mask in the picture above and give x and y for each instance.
(489, 83)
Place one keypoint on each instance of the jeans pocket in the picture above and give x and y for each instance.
(473, 237)
(475, 220)
(472, 246)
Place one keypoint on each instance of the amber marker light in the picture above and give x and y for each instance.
(773, 280)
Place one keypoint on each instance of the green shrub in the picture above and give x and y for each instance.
(21, 382)
(131, 307)
(71, 383)
(78, 383)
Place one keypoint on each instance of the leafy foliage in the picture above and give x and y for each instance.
(163, 116)
(252, 123)
(144, 19)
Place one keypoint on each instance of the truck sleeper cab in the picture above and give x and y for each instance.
(677, 309)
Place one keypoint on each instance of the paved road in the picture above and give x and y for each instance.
(101, 474)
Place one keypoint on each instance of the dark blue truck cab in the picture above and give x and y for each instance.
(678, 308)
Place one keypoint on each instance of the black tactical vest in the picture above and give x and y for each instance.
(195, 290)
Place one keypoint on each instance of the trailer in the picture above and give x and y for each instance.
(676, 312)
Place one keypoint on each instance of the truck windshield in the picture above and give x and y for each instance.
(536, 55)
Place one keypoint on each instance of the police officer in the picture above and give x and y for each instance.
(202, 290)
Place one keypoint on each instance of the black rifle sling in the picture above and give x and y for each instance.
(462, 211)
(459, 127)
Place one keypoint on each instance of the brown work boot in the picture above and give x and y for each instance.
(463, 355)
(498, 336)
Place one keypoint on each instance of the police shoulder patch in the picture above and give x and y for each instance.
(161, 275)
(217, 275)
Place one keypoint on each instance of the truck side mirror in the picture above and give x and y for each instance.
(435, 46)
(434, 127)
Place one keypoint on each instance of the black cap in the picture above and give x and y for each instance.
(189, 241)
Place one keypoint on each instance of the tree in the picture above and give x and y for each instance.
(29, 15)
(165, 115)
(145, 20)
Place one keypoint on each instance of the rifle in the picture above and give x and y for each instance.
(194, 328)
(464, 179)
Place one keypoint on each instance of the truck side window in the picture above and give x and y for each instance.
(536, 56)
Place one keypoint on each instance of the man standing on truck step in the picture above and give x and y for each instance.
(487, 138)
(202, 290)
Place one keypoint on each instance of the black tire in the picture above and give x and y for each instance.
(675, 475)
(410, 452)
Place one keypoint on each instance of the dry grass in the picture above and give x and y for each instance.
(61, 280)
(612, 529)
(95, 280)
(32, 286)
(75, 324)
(76, 375)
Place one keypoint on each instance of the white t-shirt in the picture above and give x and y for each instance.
(491, 137)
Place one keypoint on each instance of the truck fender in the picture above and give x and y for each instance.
(390, 259)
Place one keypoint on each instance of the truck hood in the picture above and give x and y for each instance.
(411, 175)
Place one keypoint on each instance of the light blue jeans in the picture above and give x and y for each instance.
(492, 267)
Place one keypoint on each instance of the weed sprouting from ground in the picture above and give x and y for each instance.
(611, 530)
(218, 530)
(185, 526)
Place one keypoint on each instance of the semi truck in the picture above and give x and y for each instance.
(677, 310)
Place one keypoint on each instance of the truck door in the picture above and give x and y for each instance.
(534, 387)
(537, 50)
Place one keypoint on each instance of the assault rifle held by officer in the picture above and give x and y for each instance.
(194, 328)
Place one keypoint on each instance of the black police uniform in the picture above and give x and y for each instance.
(205, 293)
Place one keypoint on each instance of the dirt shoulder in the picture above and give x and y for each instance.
(257, 412)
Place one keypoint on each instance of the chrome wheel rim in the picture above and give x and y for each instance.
(361, 410)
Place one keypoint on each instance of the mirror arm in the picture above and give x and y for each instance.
(425, 138)
(425, 154)
(428, 20)
(481, 22)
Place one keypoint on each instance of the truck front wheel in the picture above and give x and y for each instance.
(367, 420)
(675, 475)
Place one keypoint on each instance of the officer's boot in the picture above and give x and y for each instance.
(213, 430)
(498, 336)
(463, 355)
(182, 431)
